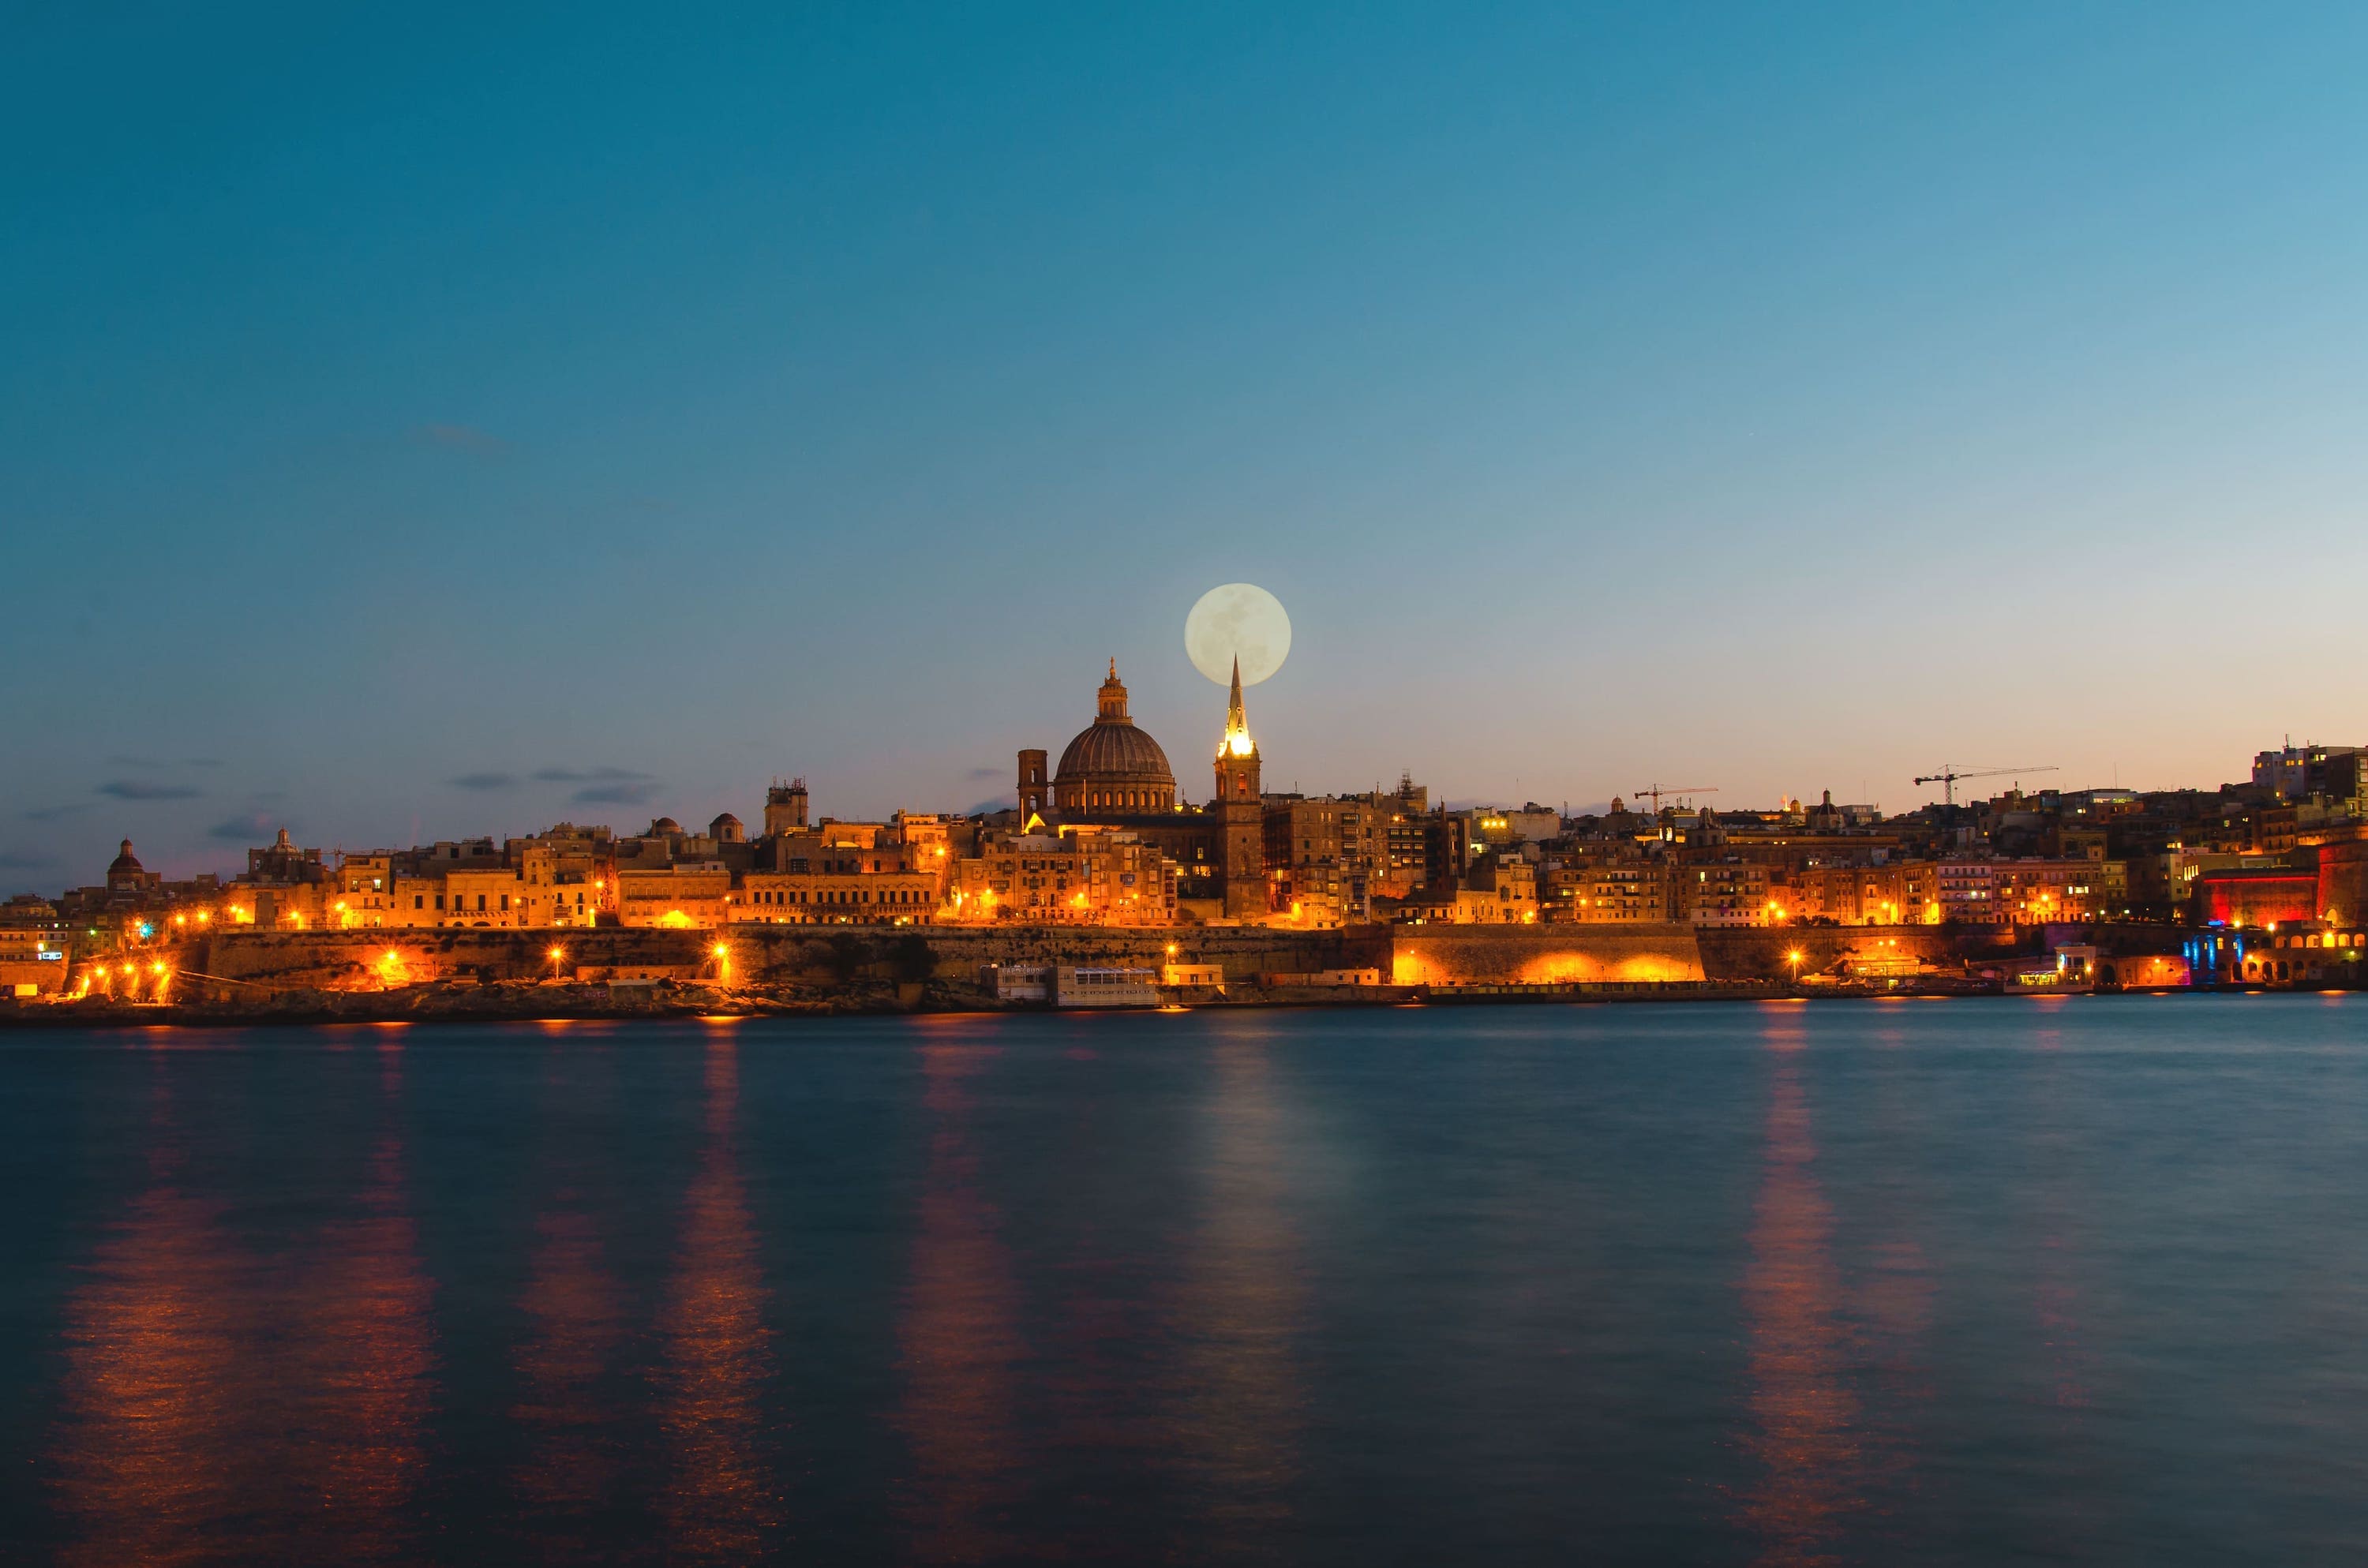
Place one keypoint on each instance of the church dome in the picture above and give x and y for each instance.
(1112, 766)
(1115, 751)
(125, 863)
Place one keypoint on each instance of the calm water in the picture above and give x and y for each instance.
(2084, 1278)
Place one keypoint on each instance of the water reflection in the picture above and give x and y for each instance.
(363, 1356)
(154, 1339)
(211, 1392)
(957, 1333)
(576, 1325)
(722, 1504)
(1803, 1411)
(1244, 1299)
(2057, 1296)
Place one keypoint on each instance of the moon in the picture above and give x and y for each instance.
(1237, 620)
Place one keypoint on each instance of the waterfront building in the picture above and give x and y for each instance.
(1084, 876)
(1729, 893)
(683, 895)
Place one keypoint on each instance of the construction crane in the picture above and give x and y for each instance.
(1656, 792)
(1947, 778)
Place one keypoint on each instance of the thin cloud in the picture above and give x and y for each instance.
(52, 813)
(586, 775)
(615, 795)
(461, 438)
(485, 781)
(245, 829)
(147, 789)
(24, 860)
(977, 773)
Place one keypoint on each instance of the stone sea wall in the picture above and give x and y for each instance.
(274, 961)
(1420, 955)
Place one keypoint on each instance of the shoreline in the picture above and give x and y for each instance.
(538, 1004)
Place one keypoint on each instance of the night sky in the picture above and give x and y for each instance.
(435, 422)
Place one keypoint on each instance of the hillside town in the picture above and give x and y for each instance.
(1105, 836)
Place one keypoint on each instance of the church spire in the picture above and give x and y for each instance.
(1237, 741)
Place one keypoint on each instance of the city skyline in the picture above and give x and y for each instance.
(611, 796)
(1713, 395)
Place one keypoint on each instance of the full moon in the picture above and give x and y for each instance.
(1238, 619)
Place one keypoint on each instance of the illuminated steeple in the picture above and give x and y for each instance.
(1237, 741)
(1238, 806)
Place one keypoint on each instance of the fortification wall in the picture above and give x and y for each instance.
(1541, 955)
(805, 955)
(1765, 954)
(281, 961)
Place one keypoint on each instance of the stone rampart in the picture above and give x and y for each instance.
(1766, 954)
(283, 960)
(807, 955)
(1541, 955)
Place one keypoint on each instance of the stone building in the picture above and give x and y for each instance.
(1079, 876)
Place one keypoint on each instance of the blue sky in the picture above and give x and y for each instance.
(397, 408)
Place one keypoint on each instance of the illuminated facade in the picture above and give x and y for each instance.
(1088, 877)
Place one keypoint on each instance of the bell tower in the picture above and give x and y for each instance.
(1031, 787)
(1241, 813)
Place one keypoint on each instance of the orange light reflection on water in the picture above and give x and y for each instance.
(723, 1503)
(212, 1395)
(957, 1330)
(1803, 1426)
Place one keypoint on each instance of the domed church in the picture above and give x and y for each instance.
(1113, 769)
(1115, 775)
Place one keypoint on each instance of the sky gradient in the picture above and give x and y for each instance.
(424, 426)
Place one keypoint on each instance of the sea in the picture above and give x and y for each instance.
(2016, 1279)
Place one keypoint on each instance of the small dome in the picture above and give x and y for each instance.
(125, 863)
(726, 829)
(663, 826)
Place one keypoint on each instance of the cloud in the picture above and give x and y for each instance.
(615, 794)
(586, 775)
(988, 807)
(461, 438)
(52, 814)
(147, 789)
(245, 829)
(985, 773)
(484, 781)
(24, 860)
